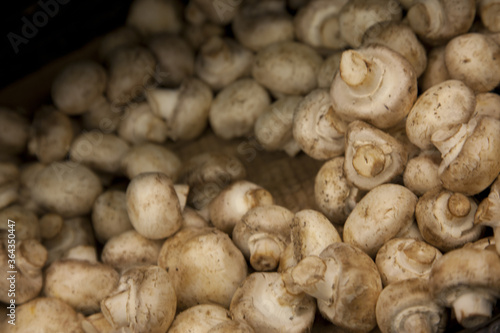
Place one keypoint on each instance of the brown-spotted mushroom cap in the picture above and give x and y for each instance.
(446, 219)
(288, 68)
(334, 195)
(346, 283)
(436, 21)
(374, 84)
(407, 306)
(467, 280)
(474, 59)
(199, 319)
(317, 128)
(447, 103)
(405, 258)
(382, 214)
(421, 172)
(372, 156)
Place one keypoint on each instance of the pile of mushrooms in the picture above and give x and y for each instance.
(399, 99)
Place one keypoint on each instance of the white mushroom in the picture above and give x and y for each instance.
(199, 319)
(487, 104)
(328, 70)
(139, 124)
(488, 212)
(421, 172)
(374, 84)
(109, 215)
(489, 10)
(436, 71)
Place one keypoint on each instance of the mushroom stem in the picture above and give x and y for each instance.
(418, 323)
(265, 251)
(417, 257)
(459, 205)
(316, 277)
(472, 309)
(115, 308)
(359, 72)
(368, 160)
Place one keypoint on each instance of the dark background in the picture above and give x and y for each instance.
(72, 25)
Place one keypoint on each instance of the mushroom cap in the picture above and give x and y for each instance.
(109, 215)
(317, 128)
(44, 314)
(445, 104)
(328, 70)
(66, 188)
(199, 319)
(153, 206)
(353, 306)
(384, 92)
(78, 86)
(487, 104)
(382, 214)
(287, 67)
(264, 303)
(478, 163)
(465, 270)
(27, 226)
(232, 326)
(446, 219)
(405, 258)
(474, 59)
(421, 172)
(333, 194)
(79, 283)
(400, 301)
(436, 71)
(372, 156)
(236, 108)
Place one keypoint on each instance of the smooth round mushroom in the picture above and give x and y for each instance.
(317, 128)
(445, 104)
(130, 249)
(51, 225)
(487, 104)
(144, 300)
(436, 21)
(131, 68)
(358, 15)
(262, 23)
(102, 152)
(175, 58)
(335, 278)
(466, 279)
(489, 10)
(78, 86)
(198, 260)
(232, 326)
(66, 188)
(153, 206)
(26, 223)
(14, 131)
(109, 215)
(317, 24)
(334, 195)
(139, 124)
(385, 212)
(153, 16)
(372, 157)
(446, 219)
(43, 314)
(221, 61)
(474, 59)
(470, 155)
(264, 302)
(236, 108)
(436, 71)
(102, 116)
(82, 284)
(374, 84)
(405, 258)
(288, 68)
(421, 172)
(400, 38)
(199, 319)
(408, 306)
(229, 206)
(185, 109)
(262, 235)
(274, 127)
(51, 135)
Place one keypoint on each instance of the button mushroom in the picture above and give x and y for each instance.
(436, 71)
(109, 215)
(139, 124)
(466, 279)
(199, 319)
(446, 219)
(386, 212)
(265, 303)
(345, 282)
(421, 172)
(317, 128)
(143, 301)
(408, 306)
(374, 84)
(372, 157)
(328, 70)
(489, 10)
(488, 212)
(262, 235)
(405, 258)
(153, 206)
